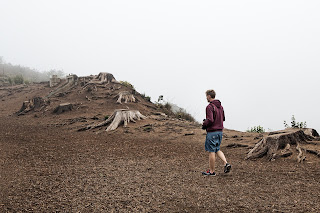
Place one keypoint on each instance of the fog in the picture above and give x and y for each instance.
(261, 57)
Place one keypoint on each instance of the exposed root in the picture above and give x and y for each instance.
(236, 145)
(301, 157)
(278, 145)
(126, 97)
(315, 152)
(120, 116)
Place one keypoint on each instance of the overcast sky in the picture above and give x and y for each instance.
(261, 56)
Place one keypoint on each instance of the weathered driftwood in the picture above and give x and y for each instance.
(126, 97)
(65, 107)
(277, 144)
(119, 116)
(32, 104)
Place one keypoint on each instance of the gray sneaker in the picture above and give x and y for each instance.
(209, 173)
(227, 168)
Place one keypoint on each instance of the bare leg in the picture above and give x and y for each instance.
(222, 157)
(212, 159)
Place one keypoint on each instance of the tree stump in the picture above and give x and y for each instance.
(65, 107)
(105, 77)
(119, 116)
(278, 145)
(32, 104)
(125, 96)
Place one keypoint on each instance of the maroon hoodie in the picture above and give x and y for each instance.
(214, 117)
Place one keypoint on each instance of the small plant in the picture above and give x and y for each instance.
(106, 117)
(127, 84)
(148, 98)
(257, 129)
(295, 124)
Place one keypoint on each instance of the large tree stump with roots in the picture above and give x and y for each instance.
(126, 97)
(105, 77)
(119, 116)
(278, 144)
(65, 107)
(102, 78)
(33, 104)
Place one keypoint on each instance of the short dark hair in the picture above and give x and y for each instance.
(211, 92)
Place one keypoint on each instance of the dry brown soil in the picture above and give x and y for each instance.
(150, 166)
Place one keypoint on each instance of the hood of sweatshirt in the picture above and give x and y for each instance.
(217, 103)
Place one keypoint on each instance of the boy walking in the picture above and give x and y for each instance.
(213, 124)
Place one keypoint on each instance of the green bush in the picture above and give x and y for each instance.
(257, 129)
(182, 114)
(18, 79)
(127, 84)
(148, 98)
(295, 124)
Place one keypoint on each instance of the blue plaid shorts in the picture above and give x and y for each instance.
(213, 141)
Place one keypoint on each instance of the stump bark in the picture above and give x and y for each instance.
(126, 97)
(65, 107)
(277, 144)
(32, 104)
(105, 77)
(119, 116)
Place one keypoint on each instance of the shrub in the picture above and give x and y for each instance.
(106, 117)
(182, 114)
(148, 98)
(127, 84)
(295, 124)
(257, 129)
(18, 79)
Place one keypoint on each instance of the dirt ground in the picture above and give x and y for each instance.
(153, 165)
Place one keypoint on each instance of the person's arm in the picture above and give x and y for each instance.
(224, 117)
(209, 117)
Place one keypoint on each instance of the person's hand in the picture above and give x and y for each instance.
(203, 126)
